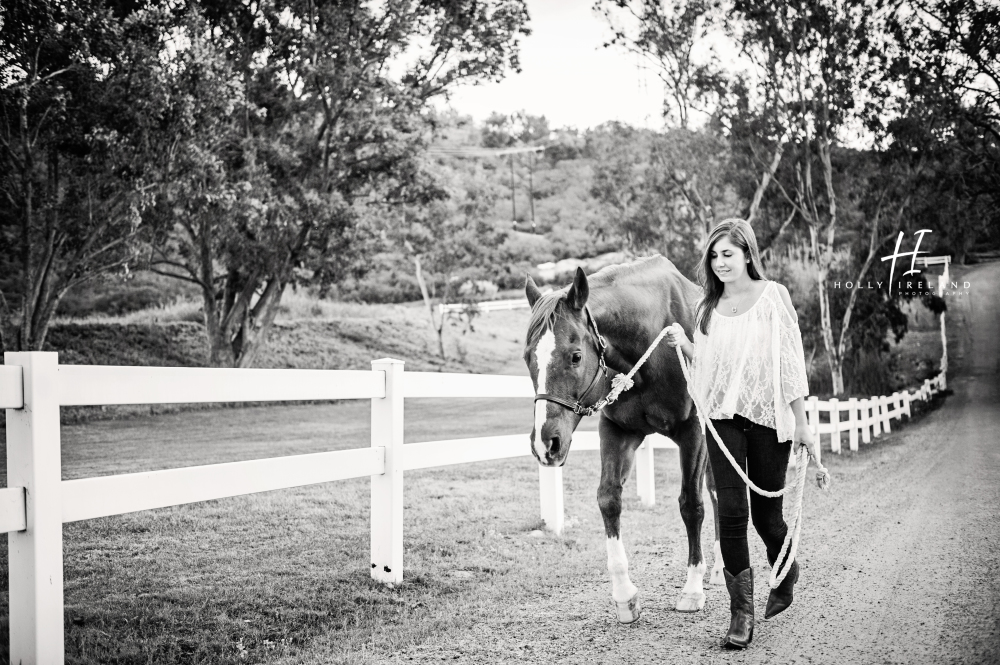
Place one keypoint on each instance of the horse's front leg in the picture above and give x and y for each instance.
(617, 454)
(693, 459)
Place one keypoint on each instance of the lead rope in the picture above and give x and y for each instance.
(623, 382)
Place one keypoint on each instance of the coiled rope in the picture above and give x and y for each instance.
(623, 382)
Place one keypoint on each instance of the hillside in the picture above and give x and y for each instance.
(326, 336)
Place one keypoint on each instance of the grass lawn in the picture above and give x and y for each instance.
(284, 575)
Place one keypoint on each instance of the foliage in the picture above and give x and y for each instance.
(668, 36)
(869, 372)
(76, 103)
(310, 123)
(504, 131)
(946, 60)
(450, 240)
(662, 191)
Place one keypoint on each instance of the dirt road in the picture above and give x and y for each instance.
(899, 560)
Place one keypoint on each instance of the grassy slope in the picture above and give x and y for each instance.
(309, 334)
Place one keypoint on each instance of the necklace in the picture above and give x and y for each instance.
(737, 305)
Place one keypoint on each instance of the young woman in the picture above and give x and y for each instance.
(749, 373)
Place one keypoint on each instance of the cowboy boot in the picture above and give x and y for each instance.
(741, 605)
(781, 596)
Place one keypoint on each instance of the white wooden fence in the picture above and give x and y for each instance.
(865, 418)
(36, 503)
(485, 306)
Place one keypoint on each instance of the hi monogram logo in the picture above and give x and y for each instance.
(913, 256)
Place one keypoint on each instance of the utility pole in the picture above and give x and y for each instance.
(513, 204)
(531, 187)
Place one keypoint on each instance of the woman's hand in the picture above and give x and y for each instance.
(677, 337)
(803, 434)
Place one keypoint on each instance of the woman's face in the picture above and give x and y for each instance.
(728, 261)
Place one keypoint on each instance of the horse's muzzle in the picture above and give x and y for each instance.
(552, 452)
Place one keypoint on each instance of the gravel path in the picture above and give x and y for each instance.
(897, 559)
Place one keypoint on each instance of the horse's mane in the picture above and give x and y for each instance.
(544, 313)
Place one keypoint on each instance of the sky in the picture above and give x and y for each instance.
(568, 76)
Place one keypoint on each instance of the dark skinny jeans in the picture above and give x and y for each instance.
(765, 460)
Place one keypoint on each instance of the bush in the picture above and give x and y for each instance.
(820, 382)
(115, 296)
(868, 373)
(113, 304)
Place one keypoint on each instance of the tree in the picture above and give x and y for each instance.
(663, 191)
(822, 57)
(504, 131)
(621, 154)
(331, 125)
(945, 57)
(668, 37)
(72, 147)
(676, 40)
(449, 239)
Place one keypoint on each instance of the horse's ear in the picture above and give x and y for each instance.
(579, 292)
(531, 291)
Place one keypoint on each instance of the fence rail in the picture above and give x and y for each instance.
(484, 306)
(38, 502)
(866, 418)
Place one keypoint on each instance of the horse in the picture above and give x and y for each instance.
(578, 338)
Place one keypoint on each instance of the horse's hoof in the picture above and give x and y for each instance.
(691, 602)
(628, 612)
(717, 577)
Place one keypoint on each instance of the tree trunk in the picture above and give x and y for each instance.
(257, 326)
(834, 358)
(765, 181)
(833, 354)
(219, 350)
(437, 325)
(27, 266)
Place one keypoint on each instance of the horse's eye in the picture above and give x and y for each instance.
(577, 357)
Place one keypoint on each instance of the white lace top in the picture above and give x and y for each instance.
(752, 364)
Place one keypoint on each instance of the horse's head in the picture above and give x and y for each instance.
(563, 354)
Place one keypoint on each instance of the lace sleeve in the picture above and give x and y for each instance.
(794, 380)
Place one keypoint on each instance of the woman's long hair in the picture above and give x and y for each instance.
(740, 234)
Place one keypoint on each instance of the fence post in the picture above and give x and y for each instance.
(852, 423)
(835, 425)
(813, 416)
(550, 486)
(942, 284)
(884, 407)
(387, 488)
(906, 403)
(35, 559)
(644, 476)
(876, 416)
(866, 421)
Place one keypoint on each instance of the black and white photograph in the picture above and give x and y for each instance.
(379, 332)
